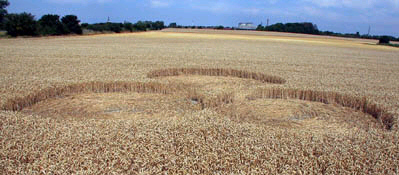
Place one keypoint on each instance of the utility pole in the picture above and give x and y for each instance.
(108, 19)
(267, 24)
(368, 33)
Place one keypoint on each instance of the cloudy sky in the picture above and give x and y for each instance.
(345, 16)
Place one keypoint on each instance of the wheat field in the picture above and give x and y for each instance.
(182, 101)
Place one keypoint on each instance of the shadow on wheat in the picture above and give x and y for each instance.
(217, 72)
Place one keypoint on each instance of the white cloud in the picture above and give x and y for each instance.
(355, 4)
(160, 3)
(78, 1)
(226, 7)
(252, 11)
(329, 15)
(343, 3)
(211, 6)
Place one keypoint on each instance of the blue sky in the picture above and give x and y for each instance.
(345, 16)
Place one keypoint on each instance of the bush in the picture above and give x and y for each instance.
(219, 27)
(384, 40)
(22, 24)
(115, 27)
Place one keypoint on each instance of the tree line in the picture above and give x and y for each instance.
(124, 27)
(306, 27)
(219, 27)
(310, 28)
(25, 24)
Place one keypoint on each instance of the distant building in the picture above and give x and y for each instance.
(246, 26)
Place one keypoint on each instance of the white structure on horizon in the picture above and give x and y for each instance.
(246, 26)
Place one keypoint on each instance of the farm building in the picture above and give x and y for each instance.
(246, 26)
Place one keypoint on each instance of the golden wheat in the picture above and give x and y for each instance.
(207, 139)
(358, 103)
(216, 72)
(210, 102)
(18, 104)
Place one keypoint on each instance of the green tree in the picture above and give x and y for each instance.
(128, 26)
(260, 27)
(71, 24)
(357, 35)
(158, 25)
(3, 11)
(50, 25)
(115, 27)
(140, 25)
(173, 25)
(305, 27)
(22, 24)
(84, 25)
